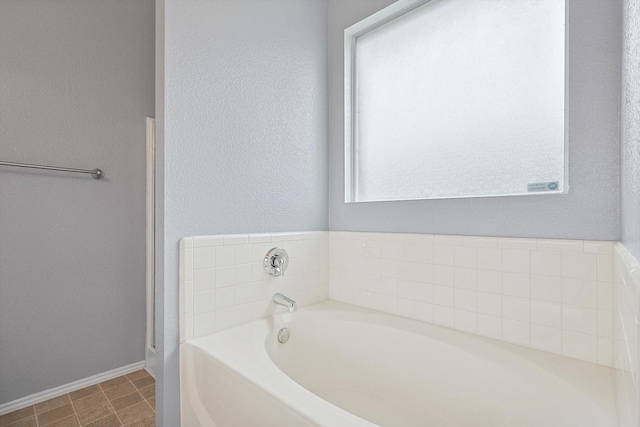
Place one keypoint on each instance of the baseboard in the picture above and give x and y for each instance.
(68, 388)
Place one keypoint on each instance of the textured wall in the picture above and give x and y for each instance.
(630, 156)
(245, 133)
(589, 211)
(77, 82)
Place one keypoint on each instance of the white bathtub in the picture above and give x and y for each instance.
(346, 366)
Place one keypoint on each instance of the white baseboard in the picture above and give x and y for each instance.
(68, 388)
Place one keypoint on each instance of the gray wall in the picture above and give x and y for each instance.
(589, 211)
(630, 156)
(77, 82)
(245, 143)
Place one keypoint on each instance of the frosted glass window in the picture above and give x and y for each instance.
(456, 98)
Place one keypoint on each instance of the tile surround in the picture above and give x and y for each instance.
(552, 295)
(223, 282)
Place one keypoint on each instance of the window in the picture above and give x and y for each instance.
(456, 98)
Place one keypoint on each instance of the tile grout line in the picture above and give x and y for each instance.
(139, 394)
(75, 412)
(72, 407)
(145, 400)
(101, 391)
(113, 408)
(149, 405)
(111, 405)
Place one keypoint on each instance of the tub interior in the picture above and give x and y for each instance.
(424, 375)
(350, 366)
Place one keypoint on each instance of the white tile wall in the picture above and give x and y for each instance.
(625, 333)
(223, 282)
(553, 295)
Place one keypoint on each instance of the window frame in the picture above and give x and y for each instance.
(376, 20)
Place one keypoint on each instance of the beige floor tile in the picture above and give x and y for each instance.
(148, 421)
(71, 421)
(144, 382)
(25, 422)
(90, 401)
(148, 392)
(137, 375)
(55, 415)
(135, 413)
(54, 403)
(14, 416)
(119, 391)
(84, 392)
(110, 421)
(126, 401)
(93, 406)
(95, 413)
(114, 382)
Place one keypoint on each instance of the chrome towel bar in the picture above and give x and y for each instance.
(95, 173)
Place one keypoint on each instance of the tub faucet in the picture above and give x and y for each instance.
(280, 299)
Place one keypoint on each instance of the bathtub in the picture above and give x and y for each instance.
(346, 366)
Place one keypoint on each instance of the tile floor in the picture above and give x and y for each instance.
(128, 400)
